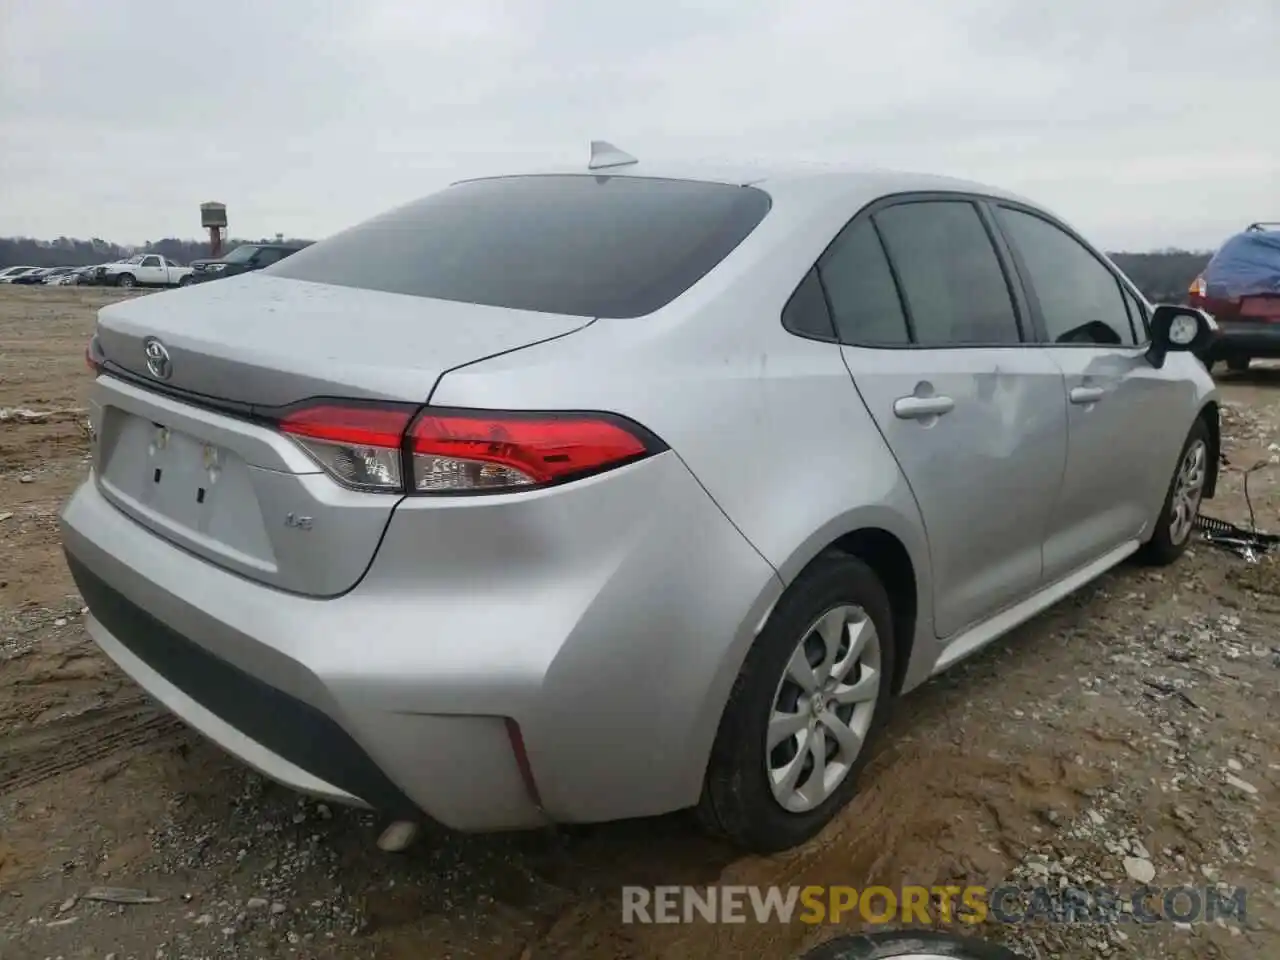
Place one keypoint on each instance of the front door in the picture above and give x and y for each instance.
(1122, 446)
(974, 416)
(150, 271)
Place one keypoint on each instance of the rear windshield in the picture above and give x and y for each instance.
(1247, 265)
(588, 246)
(241, 254)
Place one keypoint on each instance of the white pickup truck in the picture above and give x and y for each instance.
(143, 270)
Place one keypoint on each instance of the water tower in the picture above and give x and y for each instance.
(213, 217)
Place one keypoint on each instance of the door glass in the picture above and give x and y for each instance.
(806, 312)
(864, 299)
(952, 281)
(1080, 298)
(151, 261)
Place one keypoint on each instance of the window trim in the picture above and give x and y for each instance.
(1143, 320)
(1023, 317)
(1123, 284)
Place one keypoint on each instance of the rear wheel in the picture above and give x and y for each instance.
(1238, 364)
(1182, 502)
(812, 694)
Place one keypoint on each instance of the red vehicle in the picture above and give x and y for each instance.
(1240, 287)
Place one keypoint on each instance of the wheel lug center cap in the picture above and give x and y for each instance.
(816, 704)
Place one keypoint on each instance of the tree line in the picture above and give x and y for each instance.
(71, 252)
(1162, 275)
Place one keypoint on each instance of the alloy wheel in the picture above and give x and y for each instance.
(823, 708)
(1188, 489)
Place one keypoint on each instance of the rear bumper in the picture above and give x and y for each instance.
(607, 618)
(256, 722)
(1252, 339)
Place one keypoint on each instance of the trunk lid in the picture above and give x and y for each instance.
(226, 485)
(267, 341)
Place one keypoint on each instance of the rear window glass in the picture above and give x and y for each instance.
(589, 246)
(1247, 265)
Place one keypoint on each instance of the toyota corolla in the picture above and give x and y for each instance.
(620, 490)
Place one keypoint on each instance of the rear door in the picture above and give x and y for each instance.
(1123, 431)
(931, 332)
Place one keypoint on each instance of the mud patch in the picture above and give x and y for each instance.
(60, 746)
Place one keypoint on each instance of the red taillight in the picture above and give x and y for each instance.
(453, 452)
(1198, 287)
(385, 447)
(371, 426)
(91, 358)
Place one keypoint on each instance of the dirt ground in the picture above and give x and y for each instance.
(1135, 724)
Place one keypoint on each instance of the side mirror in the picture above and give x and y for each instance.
(1178, 328)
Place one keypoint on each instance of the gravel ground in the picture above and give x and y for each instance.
(1128, 735)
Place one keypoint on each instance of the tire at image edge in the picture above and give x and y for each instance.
(737, 802)
(887, 946)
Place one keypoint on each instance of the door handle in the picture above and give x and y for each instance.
(1087, 394)
(919, 408)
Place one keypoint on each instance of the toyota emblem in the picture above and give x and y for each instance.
(158, 363)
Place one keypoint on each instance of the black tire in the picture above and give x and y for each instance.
(185, 281)
(1238, 364)
(1161, 550)
(737, 800)
(886, 946)
(126, 280)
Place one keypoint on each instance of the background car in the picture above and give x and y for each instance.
(1240, 288)
(32, 277)
(143, 270)
(9, 274)
(243, 259)
(58, 276)
(602, 494)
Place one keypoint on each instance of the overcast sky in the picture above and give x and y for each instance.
(1146, 123)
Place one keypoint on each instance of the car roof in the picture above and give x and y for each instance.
(784, 177)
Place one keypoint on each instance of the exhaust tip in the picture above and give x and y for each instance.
(398, 837)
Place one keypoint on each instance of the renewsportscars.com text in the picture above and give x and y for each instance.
(930, 905)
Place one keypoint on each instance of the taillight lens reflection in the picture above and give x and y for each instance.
(386, 448)
(357, 445)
